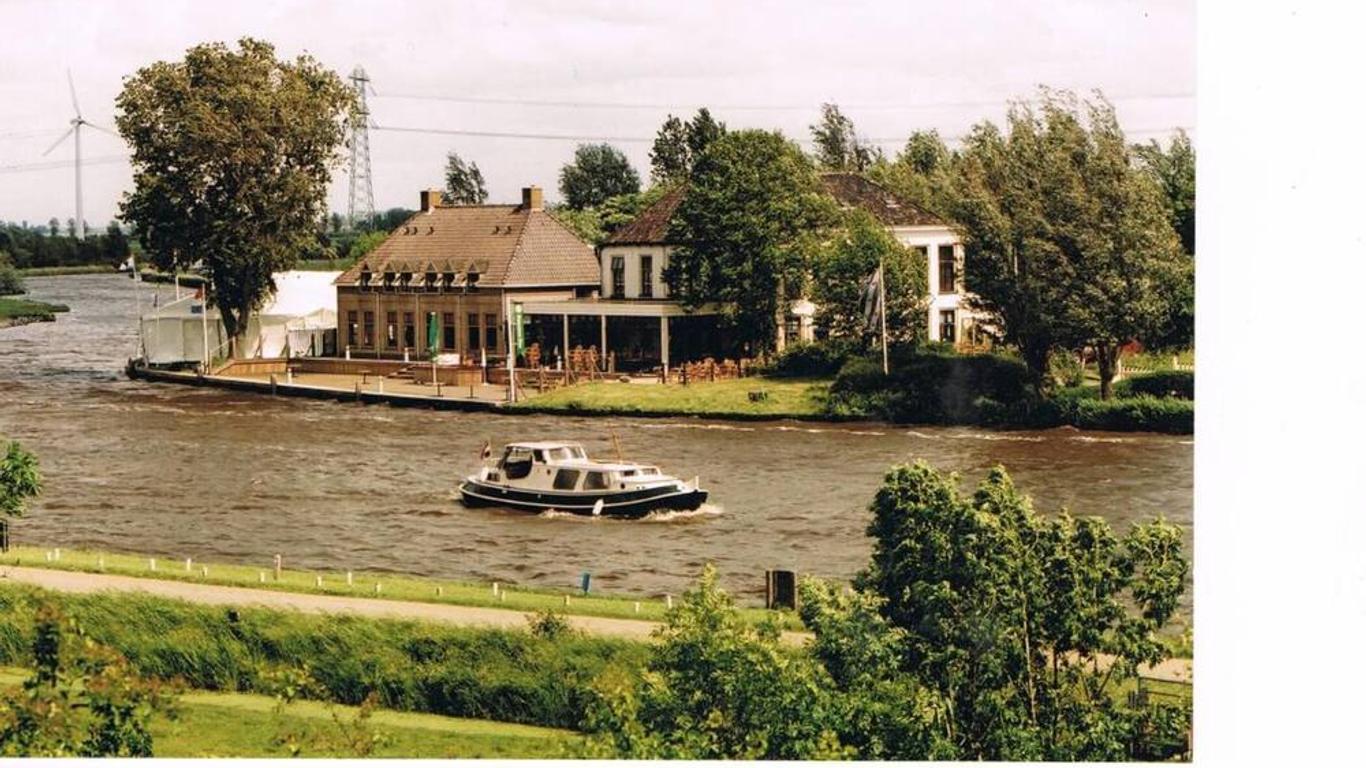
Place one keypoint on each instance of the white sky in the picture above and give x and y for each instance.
(892, 66)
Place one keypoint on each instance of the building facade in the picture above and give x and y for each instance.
(463, 268)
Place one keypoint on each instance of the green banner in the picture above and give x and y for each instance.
(519, 328)
(433, 335)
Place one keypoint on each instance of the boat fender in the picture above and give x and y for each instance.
(597, 508)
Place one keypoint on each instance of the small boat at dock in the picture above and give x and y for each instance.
(545, 476)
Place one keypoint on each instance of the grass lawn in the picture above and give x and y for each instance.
(392, 586)
(22, 310)
(795, 398)
(246, 725)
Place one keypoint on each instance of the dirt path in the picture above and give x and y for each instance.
(1175, 670)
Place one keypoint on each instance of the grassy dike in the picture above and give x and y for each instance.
(211, 724)
(728, 399)
(363, 584)
(19, 311)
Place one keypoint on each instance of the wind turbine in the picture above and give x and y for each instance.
(75, 130)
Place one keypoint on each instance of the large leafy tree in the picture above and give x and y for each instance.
(717, 688)
(746, 231)
(838, 147)
(919, 172)
(1020, 624)
(1068, 242)
(1174, 170)
(464, 182)
(20, 480)
(701, 131)
(842, 270)
(678, 145)
(598, 172)
(232, 153)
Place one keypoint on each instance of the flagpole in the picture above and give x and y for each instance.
(882, 303)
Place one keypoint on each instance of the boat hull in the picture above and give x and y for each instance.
(629, 504)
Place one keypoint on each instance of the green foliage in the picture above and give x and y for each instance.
(464, 182)
(11, 284)
(489, 674)
(812, 359)
(1174, 169)
(598, 172)
(83, 700)
(232, 154)
(1158, 384)
(1132, 414)
(747, 229)
(919, 174)
(670, 159)
(838, 147)
(34, 247)
(366, 243)
(595, 225)
(928, 385)
(1019, 623)
(20, 480)
(715, 688)
(548, 625)
(842, 270)
(1065, 369)
(1070, 243)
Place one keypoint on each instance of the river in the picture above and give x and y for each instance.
(189, 472)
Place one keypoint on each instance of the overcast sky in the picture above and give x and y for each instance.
(892, 66)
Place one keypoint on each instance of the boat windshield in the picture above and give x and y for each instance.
(565, 453)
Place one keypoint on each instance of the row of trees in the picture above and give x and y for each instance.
(981, 630)
(27, 246)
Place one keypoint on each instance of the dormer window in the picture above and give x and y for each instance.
(405, 279)
(388, 279)
(447, 279)
(430, 280)
(365, 279)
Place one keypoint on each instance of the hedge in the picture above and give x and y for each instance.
(1158, 384)
(502, 675)
(930, 386)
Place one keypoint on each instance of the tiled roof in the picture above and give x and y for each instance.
(652, 225)
(505, 244)
(850, 190)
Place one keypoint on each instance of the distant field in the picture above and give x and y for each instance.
(76, 269)
(778, 398)
(325, 265)
(245, 725)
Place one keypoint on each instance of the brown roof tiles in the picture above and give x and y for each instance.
(506, 244)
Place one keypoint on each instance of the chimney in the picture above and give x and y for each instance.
(430, 199)
(532, 198)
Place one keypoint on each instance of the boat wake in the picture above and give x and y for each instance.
(658, 516)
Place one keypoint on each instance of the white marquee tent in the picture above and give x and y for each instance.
(291, 323)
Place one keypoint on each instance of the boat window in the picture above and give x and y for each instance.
(559, 454)
(595, 481)
(577, 452)
(540, 456)
(627, 472)
(516, 463)
(566, 479)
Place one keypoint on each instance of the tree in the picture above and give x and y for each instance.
(715, 688)
(843, 268)
(700, 132)
(1069, 242)
(464, 182)
(1174, 169)
(670, 159)
(53, 226)
(20, 480)
(838, 147)
(599, 171)
(83, 700)
(919, 172)
(754, 214)
(595, 225)
(1019, 624)
(232, 154)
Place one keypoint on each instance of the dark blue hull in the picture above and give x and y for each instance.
(630, 504)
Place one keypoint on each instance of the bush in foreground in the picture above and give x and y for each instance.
(1158, 384)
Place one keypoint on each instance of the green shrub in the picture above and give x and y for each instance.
(930, 386)
(1158, 384)
(1064, 369)
(466, 672)
(1135, 414)
(809, 360)
(10, 282)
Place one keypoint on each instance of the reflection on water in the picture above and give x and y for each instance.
(186, 472)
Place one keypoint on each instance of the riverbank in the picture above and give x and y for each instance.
(506, 598)
(733, 399)
(73, 269)
(22, 311)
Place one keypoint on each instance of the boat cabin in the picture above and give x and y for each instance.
(566, 467)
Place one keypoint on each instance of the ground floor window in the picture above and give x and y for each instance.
(351, 329)
(368, 337)
(491, 332)
(409, 332)
(391, 338)
(792, 329)
(947, 325)
(448, 330)
(472, 332)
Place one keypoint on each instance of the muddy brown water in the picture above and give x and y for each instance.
(188, 472)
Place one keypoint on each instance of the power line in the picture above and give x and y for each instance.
(56, 164)
(738, 107)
